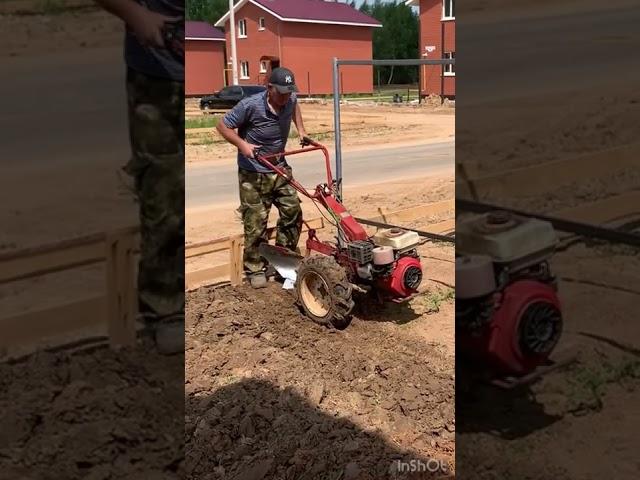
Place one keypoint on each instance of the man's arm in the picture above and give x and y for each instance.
(231, 136)
(146, 25)
(297, 120)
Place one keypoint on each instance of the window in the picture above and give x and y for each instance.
(261, 23)
(449, 70)
(263, 66)
(242, 28)
(448, 9)
(244, 70)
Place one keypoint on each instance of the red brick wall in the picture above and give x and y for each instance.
(204, 67)
(431, 35)
(308, 50)
(305, 48)
(257, 44)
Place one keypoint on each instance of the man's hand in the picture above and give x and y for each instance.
(305, 140)
(247, 149)
(148, 26)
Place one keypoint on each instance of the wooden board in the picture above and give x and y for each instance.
(64, 255)
(36, 326)
(121, 298)
(413, 213)
(603, 211)
(224, 243)
(549, 176)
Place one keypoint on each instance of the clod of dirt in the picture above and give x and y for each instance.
(320, 404)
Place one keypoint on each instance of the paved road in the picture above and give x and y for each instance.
(560, 53)
(207, 184)
(64, 108)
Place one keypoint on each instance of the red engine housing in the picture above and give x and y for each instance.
(499, 342)
(395, 284)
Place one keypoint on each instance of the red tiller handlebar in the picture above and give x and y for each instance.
(264, 160)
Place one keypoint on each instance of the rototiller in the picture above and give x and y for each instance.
(508, 312)
(386, 264)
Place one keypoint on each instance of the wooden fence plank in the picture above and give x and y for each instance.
(224, 243)
(205, 275)
(121, 300)
(35, 326)
(548, 176)
(49, 262)
(413, 213)
(235, 261)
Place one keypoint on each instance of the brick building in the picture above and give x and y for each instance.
(437, 40)
(204, 58)
(304, 36)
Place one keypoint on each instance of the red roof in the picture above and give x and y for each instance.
(314, 11)
(202, 31)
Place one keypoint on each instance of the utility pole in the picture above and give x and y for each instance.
(234, 58)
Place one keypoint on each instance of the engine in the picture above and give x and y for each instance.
(389, 262)
(507, 309)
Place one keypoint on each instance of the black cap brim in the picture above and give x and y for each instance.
(286, 88)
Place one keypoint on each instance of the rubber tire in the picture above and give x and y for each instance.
(340, 290)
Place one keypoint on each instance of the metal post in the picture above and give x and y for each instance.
(336, 125)
(336, 98)
(442, 68)
(234, 59)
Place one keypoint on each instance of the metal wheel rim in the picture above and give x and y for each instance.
(311, 287)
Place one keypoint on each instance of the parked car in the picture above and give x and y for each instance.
(229, 96)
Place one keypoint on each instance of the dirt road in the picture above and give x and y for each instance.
(218, 183)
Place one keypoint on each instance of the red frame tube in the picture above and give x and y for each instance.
(264, 160)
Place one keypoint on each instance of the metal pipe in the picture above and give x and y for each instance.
(432, 236)
(234, 59)
(336, 125)
(579, 228)
(397, 63)
(336, 99)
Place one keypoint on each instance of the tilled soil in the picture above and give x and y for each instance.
(98, 416)
(269, 394)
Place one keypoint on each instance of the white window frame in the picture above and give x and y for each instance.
(263, 66)
(453, 12)
(242, 28)
(244, 70)
(261, 24)
(449, 70)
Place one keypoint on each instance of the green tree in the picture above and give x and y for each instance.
(398, 39)
(207, 10)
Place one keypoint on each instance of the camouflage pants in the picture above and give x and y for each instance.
(156, 128)
(258, 192)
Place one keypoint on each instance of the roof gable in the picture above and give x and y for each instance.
(309, 11)
(202, 31)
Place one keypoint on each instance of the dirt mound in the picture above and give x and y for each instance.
(268, 389)
(98, 416)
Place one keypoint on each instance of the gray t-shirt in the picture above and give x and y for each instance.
(157, 62)
(257, 124)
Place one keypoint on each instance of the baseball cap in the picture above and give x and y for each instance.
(283, 79)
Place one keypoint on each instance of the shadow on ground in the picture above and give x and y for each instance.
(253, 430)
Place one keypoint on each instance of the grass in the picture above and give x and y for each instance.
(432, 300)
(588, 384)
(383, 92)
(204, 122)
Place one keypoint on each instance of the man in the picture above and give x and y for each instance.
(154, 55)
(263, 122)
